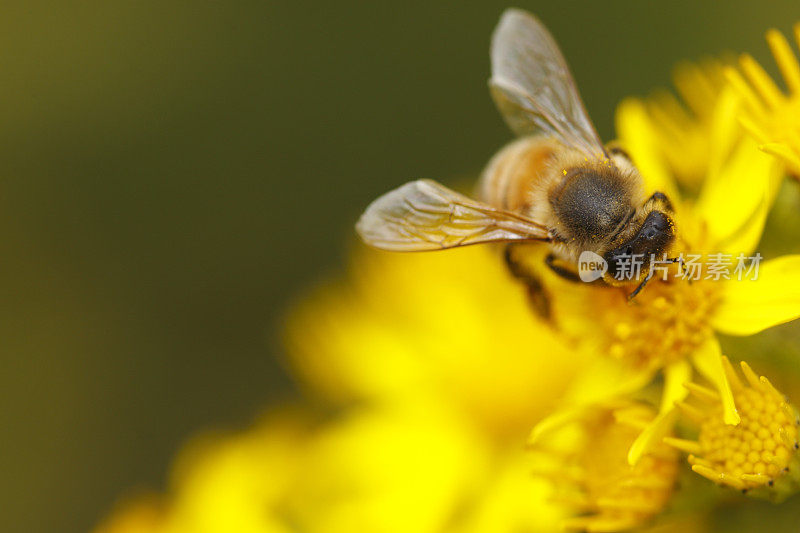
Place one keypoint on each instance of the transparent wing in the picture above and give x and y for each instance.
(423, 215)
(532, 86)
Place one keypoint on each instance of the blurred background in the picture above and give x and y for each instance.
(172, 174)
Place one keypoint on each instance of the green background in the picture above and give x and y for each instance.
(173, 173)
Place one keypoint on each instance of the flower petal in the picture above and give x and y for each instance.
(554, 421)
(652, 435)
(784, 152)
(708, 361)
(724, 129)
(752, 305)
(602, 380)
(737, 197)
(635, 132)
(675, 375)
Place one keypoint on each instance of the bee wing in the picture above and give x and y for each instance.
(424, 215)
(532, 86)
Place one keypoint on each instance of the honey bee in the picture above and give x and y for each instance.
(556, 184)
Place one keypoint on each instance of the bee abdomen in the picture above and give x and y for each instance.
(509, 177)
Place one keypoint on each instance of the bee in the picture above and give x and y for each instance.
(556, 184)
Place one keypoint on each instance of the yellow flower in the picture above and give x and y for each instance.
(436, 369)
(223, 483)
(415, 467)
(514, 500)
(396, 469)
(684, 128)
(771, 116)
(759, 456)
(452, 325)
(672, 323)
(588, 462)
(237, 482)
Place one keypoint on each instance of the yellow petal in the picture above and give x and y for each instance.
(742, 88)
(761, 81)
(696, 84)
(737, 197)
(724, 129)
(652, 435)
(750, 306)
(708, 361)
(553, 422)
(784, 152)
(675, 375)
(785, 58)
(635, 132)
(601, 381)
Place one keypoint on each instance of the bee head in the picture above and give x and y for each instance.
(650, 234)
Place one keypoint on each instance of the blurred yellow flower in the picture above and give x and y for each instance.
(384, 469)
(759, 456)
(397, 469)
(439, 369)
(223, 483)
(514, 500)
(771, 116)
(453, 325)
(685, 129)
(588, 463)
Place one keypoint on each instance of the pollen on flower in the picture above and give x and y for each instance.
(771, 116)
(758, 455)
(665, 323)
(592, 476)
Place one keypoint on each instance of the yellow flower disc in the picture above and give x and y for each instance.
(759, 452)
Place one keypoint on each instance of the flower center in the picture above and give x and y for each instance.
(607, 492)
(760, 447)
(608, 475)
(664, 323)
(758, 453)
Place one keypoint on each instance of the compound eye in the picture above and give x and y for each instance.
(656, 224)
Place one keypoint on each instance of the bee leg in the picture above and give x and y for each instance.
(681, 268)
(537, 294)
(639, 288)
(566, 273)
